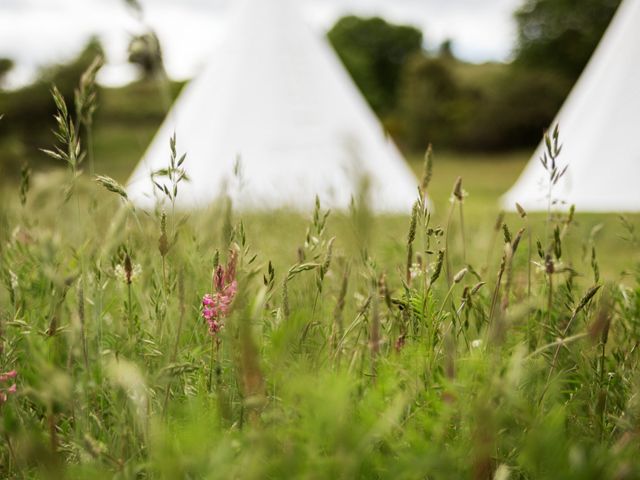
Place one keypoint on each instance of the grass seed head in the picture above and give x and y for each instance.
(458, 193)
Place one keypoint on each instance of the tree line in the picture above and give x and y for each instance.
(421, 95)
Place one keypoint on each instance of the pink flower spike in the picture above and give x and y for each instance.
(207, 301)
(6, 376)
(218, 278)
(12, 389)
(230, 274)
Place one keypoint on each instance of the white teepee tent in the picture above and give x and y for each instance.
(276, 96)
(599, 129)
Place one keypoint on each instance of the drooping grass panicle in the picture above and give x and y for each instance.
(112, 186)
(68, 148)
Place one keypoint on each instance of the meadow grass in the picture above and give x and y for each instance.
(356, 346)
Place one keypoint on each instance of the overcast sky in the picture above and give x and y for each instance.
(39, 32)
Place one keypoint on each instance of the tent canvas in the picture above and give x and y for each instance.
(276, 96)
(599, 129)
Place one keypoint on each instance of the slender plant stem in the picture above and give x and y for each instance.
(528, 226)
(559, 342)
(549, 300)
(446, 244)
(211, 361)
(602, 389)
(464, 248)
(129, 308)
(174, 354)
(164, 276)
(90, 154)
(12, 454)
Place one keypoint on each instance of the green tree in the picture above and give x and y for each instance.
(561, 35)
(6, 65)
(375, 53)
(429, 103)
(511, 112)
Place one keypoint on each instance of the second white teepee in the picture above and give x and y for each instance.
(599, 129)
(276, 96)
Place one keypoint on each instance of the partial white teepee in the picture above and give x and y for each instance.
(275, 96)
(599, 129)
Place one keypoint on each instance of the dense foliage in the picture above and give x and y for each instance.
(6, 65)
(555, 35)
(424, 98)
(375, 52)
(435, 98)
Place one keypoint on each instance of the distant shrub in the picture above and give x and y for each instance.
(428, 102)
(506, 110)
(375, 52)
(514, 112)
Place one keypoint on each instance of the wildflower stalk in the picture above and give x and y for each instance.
(560, 342)
(427, 174)
(410, 239)
(457, 279)
(549, 270)
(12, 454)
(452, 325)
(163, 247)
(584, 301)
(375, 330)
(549, 162)
(496, 290)
(494, 238)
(336, 331)
(129, 308)
(211, 362)
(174, 353)
(509, 268)
(81, 316)
(216, 305)
(462, 236)
(456, 195)
(86, 104)
(523, 214)
(128, 272)
(446, 245)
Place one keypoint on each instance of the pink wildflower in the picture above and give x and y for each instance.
(6, 391)
(6, 376)
(216, 305)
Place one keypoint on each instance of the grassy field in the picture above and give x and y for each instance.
(225, 344)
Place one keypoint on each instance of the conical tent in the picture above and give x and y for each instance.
(275, 98)
(599, 128)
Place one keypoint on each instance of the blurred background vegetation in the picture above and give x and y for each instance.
(421, 96)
